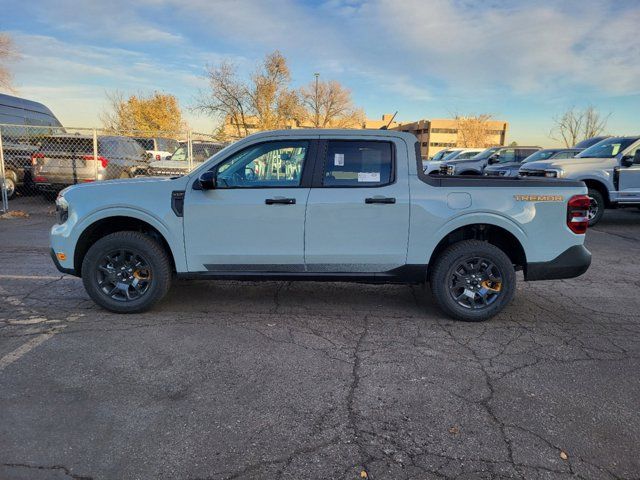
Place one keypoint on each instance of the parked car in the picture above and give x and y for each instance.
(178, 163)
(324, 205)
(490, 156)
(433, 167)
(158, 147)
(65, 160)
(17, 167)
(610, 169)
(428, 165)
(26, 118)
(589, 142)
(511, 169)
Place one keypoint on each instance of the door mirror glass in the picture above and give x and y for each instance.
(493, 159)
(208, 180)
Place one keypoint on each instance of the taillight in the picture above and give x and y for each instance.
(157, 156)
(40, 179)
(578, 213)
(103, 161)
(35, 157)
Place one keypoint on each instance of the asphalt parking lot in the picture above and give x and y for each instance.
(229, 380)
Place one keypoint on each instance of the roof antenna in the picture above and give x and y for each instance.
(386, 127)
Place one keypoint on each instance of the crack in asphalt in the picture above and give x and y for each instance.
(60, 468)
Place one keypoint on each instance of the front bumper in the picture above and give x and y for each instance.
(571, 263)
(61, 269)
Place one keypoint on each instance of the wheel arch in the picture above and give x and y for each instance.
(497, 235)
(116, 223)
(600, 186)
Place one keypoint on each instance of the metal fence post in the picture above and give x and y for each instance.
(190, 150)
(3, 187)
(95, 153)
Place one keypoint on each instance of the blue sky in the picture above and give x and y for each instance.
(522, 61)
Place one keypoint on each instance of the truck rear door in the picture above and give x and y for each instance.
(357, 217)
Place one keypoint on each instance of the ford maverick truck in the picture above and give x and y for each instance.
(322, 205)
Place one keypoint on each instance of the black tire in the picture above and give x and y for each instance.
(443, 285)
(10, 186)
(596, 211)
(157, 267)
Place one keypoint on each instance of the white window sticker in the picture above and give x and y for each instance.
(338, 159)
(368, 176)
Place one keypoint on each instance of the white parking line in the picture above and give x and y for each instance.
(38, 277)
(25, 348)
(33, 319)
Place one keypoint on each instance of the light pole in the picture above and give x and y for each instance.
(316, 102)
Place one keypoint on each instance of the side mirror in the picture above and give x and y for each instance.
(493, 159)
(627, 161)
(207, 180)
(168, 157)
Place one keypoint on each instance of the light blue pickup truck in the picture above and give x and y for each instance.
(322, 205)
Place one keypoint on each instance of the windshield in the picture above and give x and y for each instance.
(438, 156)
(539, 155)
(608, 148)
(451, 155)
(180, 155)
(485, 154)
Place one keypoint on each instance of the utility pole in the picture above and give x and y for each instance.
(317, 123)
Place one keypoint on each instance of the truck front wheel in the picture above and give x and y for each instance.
(472, 280)
(126, 272)
(596, 207)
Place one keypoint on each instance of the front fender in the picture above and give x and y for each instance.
(67, 235)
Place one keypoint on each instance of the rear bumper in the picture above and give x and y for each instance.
(571, 263)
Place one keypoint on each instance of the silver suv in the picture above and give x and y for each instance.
(610, 169)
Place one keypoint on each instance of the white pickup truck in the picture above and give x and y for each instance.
(323, 205)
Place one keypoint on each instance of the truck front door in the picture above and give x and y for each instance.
(629, 186)
(358, 211)
(253, 221)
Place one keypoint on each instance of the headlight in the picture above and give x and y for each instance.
(554, 173)
(62, 209)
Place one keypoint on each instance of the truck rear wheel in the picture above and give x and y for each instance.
(126, 272)
(472, 281)
(596, 207)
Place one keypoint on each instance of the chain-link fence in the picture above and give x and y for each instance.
(37, 162)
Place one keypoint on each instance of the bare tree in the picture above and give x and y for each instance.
(264, 102)
(8, 52)
(473, 130)
(273, 102)
(328, 104)
(228, 98)
(575, 125)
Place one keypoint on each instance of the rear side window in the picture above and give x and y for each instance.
(358, 164)
(146, 143)
(67, 145)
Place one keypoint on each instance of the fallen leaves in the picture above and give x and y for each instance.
(454, 430)
(14, 214)
(364, 474)
(563, 455)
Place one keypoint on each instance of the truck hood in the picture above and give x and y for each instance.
(587, 163)
(504, 166)
(106, 188)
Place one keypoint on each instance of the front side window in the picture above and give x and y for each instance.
(271, 164)
(507, 156)
(358, 164)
